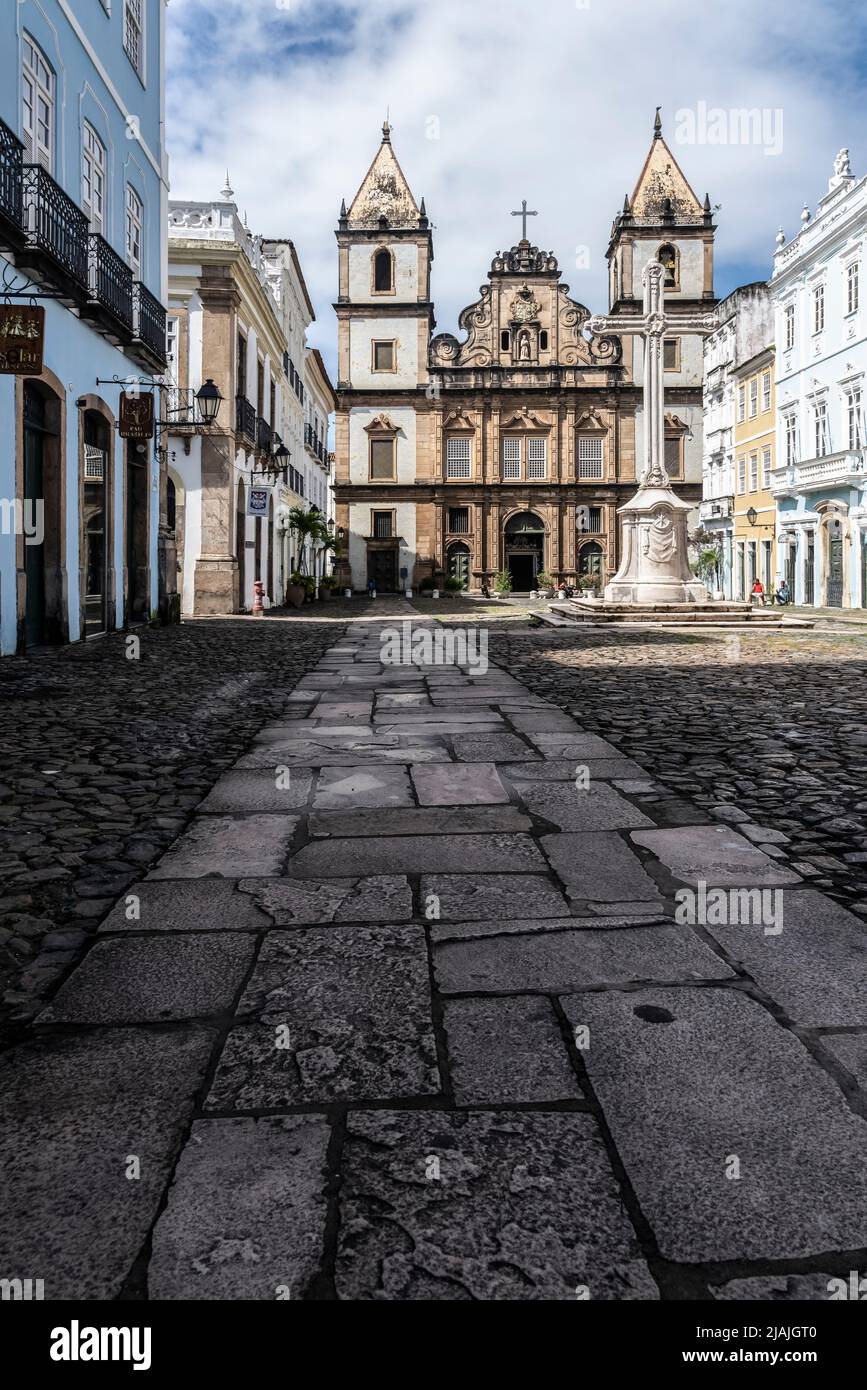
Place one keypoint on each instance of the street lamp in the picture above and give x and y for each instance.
(752, 515)
(281, 456)
(209, 398)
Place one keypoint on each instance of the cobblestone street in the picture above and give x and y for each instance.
(369, 982)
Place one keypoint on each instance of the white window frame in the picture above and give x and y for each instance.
(754, 397)
(93, 174)
(459, 456)
(511, 457)
(742, 475)
(590, 456)
(821, 433)
(789, 322)
(766, 468)
(754, 470)
(742, 403)
(853, 286)
(819, 307)
(766, 392)
(134, 34)
(854, 422)
(537, 458)
(134, 220)
(790, 429)
(37, 77)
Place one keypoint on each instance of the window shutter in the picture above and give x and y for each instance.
(589, 456)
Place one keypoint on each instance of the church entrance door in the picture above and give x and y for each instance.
(524, 550)
(522, 568)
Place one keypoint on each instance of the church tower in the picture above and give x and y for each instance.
(664, 219)
(385, 317)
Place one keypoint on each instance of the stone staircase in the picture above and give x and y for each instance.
(574, 612)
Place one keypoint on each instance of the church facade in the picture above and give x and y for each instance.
(511, 445)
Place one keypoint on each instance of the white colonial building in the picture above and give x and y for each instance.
(717, 484)
(820, 481)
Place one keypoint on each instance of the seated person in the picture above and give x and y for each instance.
(784, 593)
(757, 593)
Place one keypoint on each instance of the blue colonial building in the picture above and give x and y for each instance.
(83, 214)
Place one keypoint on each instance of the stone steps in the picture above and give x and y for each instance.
(571, 612)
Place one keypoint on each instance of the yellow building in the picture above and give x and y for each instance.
(755, 509)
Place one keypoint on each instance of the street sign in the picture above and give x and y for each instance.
(257, 502)
(136, 415)
(22, 335)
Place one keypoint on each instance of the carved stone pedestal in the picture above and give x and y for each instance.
(654, 567)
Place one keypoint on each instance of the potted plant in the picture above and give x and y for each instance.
(327, 586)
(545, 583)
(296, 591)
(502, 583)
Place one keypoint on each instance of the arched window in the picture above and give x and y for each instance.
(171, 505)
(383, 272)
(505, 340)
(668, 257)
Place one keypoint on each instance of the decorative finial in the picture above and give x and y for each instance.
(805, 214)
(343, 212)
(423, 209)
(657, 125)
(707, 202)
(780, 238)
(626, 207)
(228, 192)
(386, 132)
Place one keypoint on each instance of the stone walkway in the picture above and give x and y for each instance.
(405, 1013)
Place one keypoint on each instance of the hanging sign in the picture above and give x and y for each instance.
(136, 415)
(22, 336)
(257, 502)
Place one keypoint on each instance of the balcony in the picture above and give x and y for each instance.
(149, 327)
(315, 445)
(264, 436)
(245, 419)
(110, 290)
(716, 508)
(846, 469)
(11, 189)
(182, 409)
(56, 236)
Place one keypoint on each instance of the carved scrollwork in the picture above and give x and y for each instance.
(445, 348)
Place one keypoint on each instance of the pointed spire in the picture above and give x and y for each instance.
(626, 207)
(657, 125)
(384, 193)
(423, 209)
(386, 132)
(706, 204)
(343, 212)
(228, 192)
(662, 189)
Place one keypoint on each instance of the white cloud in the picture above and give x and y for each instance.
(550, 101)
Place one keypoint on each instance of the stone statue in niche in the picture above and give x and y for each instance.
(524, 348)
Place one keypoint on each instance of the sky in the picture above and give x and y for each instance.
(494, 101)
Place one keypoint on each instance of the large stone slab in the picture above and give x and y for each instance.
(471, 897)
(74, 1110)
(815, 967)
(336, 1014)
(578, 746)
(779, 1288)
(148, 979)
(503, 1206)
(595, 807)
(244, 848)
(566, 769)
(599, 867)
(692, 1079)
(295, 902)
(460, 931)
(261, 790)
(543, 721)
(187, 905)
(851, 1050)
(417, 854)
(390, 748)
(454, 820)
(340, 788)
(715, 854)
(555, 962)
(246, 1212)
(458, 784)
(507, 1051)
(491, 748)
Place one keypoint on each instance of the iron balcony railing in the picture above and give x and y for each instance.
(149, 321)
(11, 178)
(182, 408)
(264, 435)
(54, 225)
(245, 418)
(110, 281)
(315, 444)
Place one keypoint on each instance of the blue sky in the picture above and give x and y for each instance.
(492, 101)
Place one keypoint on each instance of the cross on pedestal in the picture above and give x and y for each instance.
(524, 214)
(652, 325)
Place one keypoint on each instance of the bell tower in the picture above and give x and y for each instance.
(384, 317)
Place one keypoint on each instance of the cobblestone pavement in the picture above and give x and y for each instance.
(405, 1013)
(102, 760)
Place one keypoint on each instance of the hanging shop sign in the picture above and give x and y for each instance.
(257, 502)
(22, 337)
(136, 415)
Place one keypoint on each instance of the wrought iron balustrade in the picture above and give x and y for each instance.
(149, 321)
(11, 178)
(54, 225)
(182, 408)
(264, 435)
(245, 418)
(110, 280)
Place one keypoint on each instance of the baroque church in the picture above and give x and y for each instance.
(511, 445)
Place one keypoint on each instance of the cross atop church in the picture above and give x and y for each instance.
(524, 214)
(652, 325)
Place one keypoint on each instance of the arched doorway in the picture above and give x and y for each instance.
(41, 523)
(591, 558)
(458, 563)
(240, 543)
(524, 550)
(96, 522)
(137, 585)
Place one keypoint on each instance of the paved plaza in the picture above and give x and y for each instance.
(388, 992)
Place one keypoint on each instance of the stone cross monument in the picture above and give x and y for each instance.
(654, 567)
